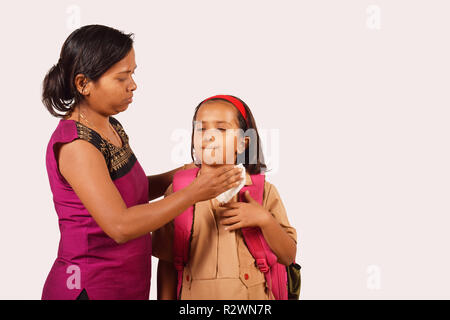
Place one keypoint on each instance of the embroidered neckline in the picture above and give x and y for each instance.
(119, 160)
(116, 127)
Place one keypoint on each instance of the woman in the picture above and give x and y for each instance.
(100, 191)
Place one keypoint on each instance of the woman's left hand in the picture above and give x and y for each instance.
(238, 215)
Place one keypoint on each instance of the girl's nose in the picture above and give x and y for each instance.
(208, 137)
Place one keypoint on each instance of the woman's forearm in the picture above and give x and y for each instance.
(141, 219)
(133, 222)
(157, 184)
(279, 241)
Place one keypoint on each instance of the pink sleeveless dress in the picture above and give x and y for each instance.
(88, 260)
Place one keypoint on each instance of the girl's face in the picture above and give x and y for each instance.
(113, 91)
(217, 137)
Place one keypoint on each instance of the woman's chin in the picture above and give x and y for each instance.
(120, 109)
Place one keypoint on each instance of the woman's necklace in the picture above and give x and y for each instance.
(89, 123)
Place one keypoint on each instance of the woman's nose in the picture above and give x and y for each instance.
(133, 85)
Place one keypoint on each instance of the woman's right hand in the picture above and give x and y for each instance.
(210, 184)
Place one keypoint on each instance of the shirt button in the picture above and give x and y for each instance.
(187, 278)
(246, 276)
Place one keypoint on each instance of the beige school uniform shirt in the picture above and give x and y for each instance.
(220, 265)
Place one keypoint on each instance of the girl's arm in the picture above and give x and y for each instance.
(167, 281)
(278, 240)
(158, 183)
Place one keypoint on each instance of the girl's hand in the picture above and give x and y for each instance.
(210, 184)
(244, 214)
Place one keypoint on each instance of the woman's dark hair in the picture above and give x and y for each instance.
(90, 50)
(252, 158)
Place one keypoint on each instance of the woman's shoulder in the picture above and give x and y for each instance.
(65, 131)
(70, 131)
(67, 139)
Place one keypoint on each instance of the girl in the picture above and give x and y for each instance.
(100, 191)
(219, 264)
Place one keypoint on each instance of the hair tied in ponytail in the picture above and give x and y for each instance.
(90, 50)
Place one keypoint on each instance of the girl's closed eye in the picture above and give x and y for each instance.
(203, 129)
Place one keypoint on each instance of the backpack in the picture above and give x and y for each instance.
(284, 282)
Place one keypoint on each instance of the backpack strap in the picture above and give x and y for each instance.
(182, 226)
(267, 262)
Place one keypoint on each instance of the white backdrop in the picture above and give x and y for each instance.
(353, 96)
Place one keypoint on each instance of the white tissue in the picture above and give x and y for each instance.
(229, 194)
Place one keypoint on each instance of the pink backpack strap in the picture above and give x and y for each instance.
(267, 262)
(182, 226)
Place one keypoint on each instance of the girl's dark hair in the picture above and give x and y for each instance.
(90, 50)
(252, 160)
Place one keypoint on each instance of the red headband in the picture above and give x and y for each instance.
(234, 101)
